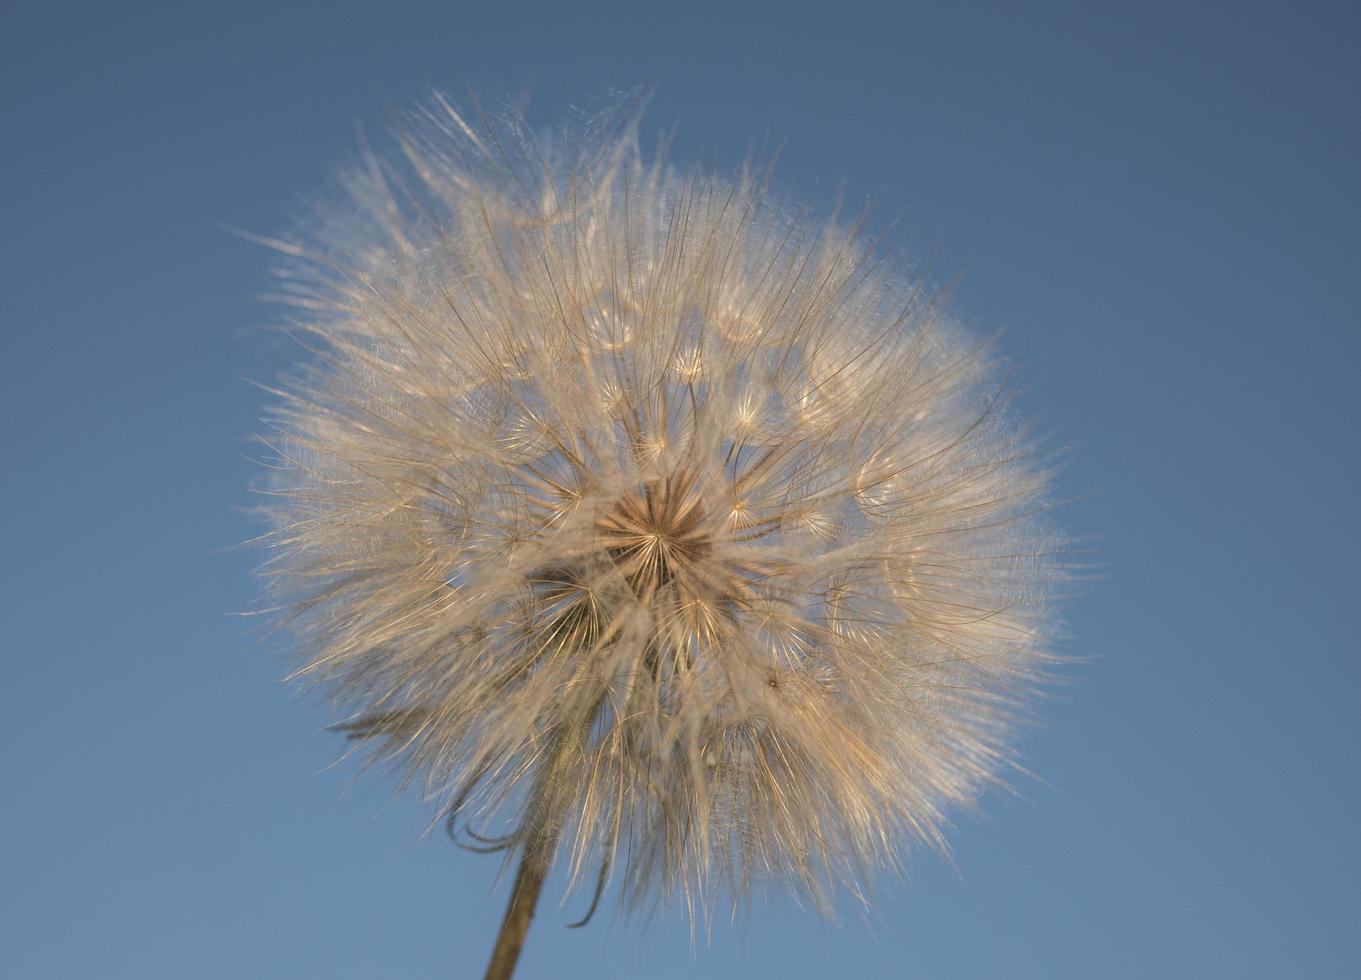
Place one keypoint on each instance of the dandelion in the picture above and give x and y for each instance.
(646, 524)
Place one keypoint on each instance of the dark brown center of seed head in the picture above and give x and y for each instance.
(655, 534)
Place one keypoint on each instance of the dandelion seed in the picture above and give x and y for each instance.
(659, 528)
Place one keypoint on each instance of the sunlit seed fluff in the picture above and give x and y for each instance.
(636, 517)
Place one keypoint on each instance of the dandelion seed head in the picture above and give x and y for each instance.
(630, 513)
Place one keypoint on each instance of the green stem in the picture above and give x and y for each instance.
(523, 897)
(540, 844)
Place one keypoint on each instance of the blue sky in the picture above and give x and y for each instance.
(1158, 203)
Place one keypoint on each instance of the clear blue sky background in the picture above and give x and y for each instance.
(1161, 203)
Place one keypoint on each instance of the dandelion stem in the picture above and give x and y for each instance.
(523, 897)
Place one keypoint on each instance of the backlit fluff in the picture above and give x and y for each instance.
(644, 522)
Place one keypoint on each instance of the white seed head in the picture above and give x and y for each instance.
(663, 527)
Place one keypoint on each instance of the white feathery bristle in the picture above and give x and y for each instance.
(633, 514)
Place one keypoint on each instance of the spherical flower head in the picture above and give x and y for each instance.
(631, 510)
